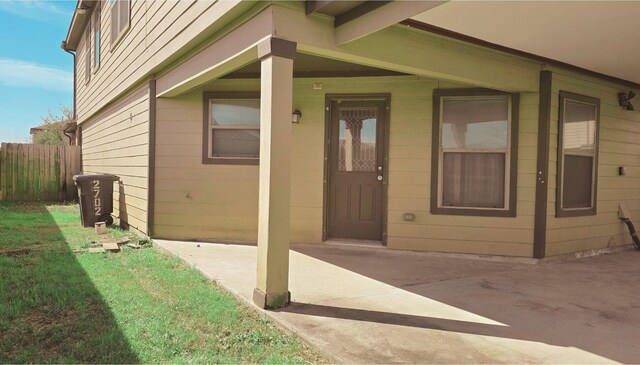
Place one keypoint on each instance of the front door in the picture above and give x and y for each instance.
(356, 168)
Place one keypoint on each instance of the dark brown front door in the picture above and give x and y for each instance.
(356, 169)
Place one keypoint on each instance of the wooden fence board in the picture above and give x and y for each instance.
(31, 172)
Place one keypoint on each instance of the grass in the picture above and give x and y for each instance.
(61, 304)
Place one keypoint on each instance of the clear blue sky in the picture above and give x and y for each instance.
(35, 74)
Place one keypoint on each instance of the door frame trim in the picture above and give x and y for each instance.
(329, 98)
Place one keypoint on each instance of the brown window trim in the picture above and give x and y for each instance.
(206, 159)
(562, 212)
(124, 31)
(96, 21)
(435, 153)
(88, 69)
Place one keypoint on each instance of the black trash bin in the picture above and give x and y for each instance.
(96, 198)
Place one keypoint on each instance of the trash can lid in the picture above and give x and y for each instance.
(86, 177)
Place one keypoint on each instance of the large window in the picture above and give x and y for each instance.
(577, 155)
(120, 14)
(231, 129)
(474, 152)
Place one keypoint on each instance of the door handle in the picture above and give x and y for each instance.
(379, 177)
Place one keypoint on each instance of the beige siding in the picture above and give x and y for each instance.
(223, 198)
(619, 136)
(158, 31)
(116, 141)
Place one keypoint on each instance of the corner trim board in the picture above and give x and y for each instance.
(152, 158)
(542, 166)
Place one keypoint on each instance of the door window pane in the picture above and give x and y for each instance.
(357, 140)
(473, 180)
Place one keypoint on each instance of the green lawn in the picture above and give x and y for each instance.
(136, 306)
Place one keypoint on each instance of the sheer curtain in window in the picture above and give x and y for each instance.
(475, 147)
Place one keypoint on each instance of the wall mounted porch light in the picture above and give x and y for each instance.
(624, 100)
(295, 116)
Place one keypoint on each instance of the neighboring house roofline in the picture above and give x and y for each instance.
(480, 42)
(68, 127)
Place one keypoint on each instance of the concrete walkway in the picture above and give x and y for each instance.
(372, 305)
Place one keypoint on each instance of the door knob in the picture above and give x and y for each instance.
(379, 177)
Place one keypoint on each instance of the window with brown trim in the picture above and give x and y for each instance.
(577, 177)
(120, 18)
(474, 152)
(96, 20)
(87, 55)
(231, 133)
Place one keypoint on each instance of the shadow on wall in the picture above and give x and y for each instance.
(575, 304)
(50, 310)
(122, 206)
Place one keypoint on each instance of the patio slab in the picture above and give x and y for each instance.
(372, 305)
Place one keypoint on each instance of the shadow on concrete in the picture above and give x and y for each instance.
(590, 304)
(50, 310)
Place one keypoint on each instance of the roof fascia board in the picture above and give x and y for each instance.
(78, 23)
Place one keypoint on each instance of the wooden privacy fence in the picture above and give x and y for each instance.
(38, 172)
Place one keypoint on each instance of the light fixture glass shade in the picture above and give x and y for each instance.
(295, 116)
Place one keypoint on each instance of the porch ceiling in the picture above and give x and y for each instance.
(305, 65)
(600, 36)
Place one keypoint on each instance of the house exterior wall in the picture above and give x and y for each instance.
(619, 136)
(222, 199)
(160, 32)
(116, 141)
(219, 202)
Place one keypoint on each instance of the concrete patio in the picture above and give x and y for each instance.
(373, 305)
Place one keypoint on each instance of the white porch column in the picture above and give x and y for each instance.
(276, 92)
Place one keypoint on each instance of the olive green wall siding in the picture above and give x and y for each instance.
(619, 146)
(196, 201)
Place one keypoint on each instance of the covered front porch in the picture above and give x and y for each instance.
(365, 305)
(352, 102)
(279, 182)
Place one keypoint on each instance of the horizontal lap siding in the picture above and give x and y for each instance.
(157, 30)
(410, 184)
(619, 146)
(210, 202)
(116, 141)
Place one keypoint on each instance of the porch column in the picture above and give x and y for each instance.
(276, 92)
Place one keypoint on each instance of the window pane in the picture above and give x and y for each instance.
(475, 122)
(579, 128)
(123, 15)
(357, 140)
(87, 55)
(97, 48)
(473, 180)
(236, 142)
(114, 21)
(577, 181)
(235, 112)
